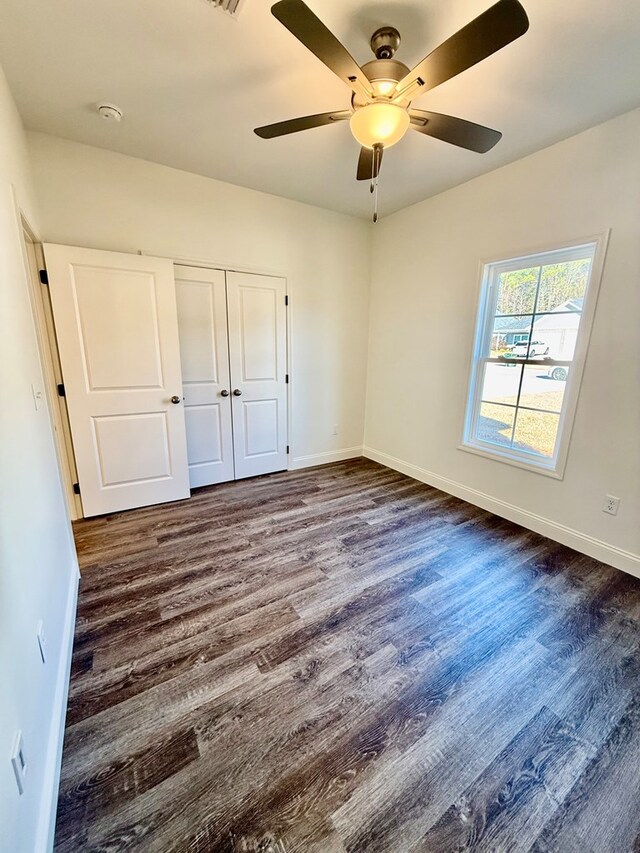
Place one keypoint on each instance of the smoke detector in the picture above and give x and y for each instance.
(109, 112)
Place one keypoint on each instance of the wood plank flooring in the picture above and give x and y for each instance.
(342, 659)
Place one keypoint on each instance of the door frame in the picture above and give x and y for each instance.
(41, 311)
(228, 266)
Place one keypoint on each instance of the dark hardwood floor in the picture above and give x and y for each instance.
(343, 659)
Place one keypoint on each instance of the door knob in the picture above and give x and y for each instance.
(237, 392)
(175, 399)
(224, 393)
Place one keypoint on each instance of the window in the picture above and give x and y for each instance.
(534, 321)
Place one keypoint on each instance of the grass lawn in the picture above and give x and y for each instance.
(551, 401)
(534, 431)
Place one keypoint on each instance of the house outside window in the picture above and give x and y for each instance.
(534, 320)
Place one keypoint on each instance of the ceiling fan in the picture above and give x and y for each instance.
(383, 89)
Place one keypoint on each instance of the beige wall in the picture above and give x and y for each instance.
(38, 569)
(423, 309)
(94, 198)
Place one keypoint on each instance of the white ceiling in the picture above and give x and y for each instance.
(193, 83)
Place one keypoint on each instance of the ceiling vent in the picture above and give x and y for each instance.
(232, 7)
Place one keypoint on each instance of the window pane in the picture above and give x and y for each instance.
(562, 289)
(501, 383)
(543, 387)
(510, 332)
(495, 424)
(562, 286)
(517, 291)
(557, 333)
(536, 432)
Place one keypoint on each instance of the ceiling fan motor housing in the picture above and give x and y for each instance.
(382, 71)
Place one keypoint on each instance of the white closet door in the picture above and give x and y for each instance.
(257, 347)
(204, 351)
(117, 329)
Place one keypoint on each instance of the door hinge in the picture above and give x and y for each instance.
(286, 299)
(76, 488)
(286, 378)
(61, 390)
(287, 448)
(44, 276)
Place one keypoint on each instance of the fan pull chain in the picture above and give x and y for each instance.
(375, 203)
(376, 161)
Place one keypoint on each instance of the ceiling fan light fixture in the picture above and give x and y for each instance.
(383, 88)
(379, 123)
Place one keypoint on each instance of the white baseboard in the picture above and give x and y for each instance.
(596, 548)
(49, 797)
(325, 458)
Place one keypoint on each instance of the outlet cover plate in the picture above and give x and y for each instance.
(611, 504)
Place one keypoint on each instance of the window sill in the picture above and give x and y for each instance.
(555, 473)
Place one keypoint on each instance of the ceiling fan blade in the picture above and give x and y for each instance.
(298, 18)
(294, 125)
(366, 164)
(498, 26)
(457, 131)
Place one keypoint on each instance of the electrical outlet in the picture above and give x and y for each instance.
(19, 761)
(41, 641)
(611, 504)
(336, 429)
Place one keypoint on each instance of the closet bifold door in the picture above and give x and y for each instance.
(116, 325)
(204, 350)
(257, 353)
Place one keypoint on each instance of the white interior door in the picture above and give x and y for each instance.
(117, 331)
(204, 351)
(257, 347)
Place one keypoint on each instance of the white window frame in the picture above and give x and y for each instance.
(490, 271)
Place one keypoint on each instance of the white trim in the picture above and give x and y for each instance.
(487, 294)
(43, 324)
(542, 249)
(208, 263)
(596, 548)
(49, 795)
(325, 458)
(288, 319)
(496, 455)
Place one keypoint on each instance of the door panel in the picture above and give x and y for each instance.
(147, 432)
(258, 333)
(116, 323)
(204, 349)
(260, 426)
(101, 295)
(257, 347)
